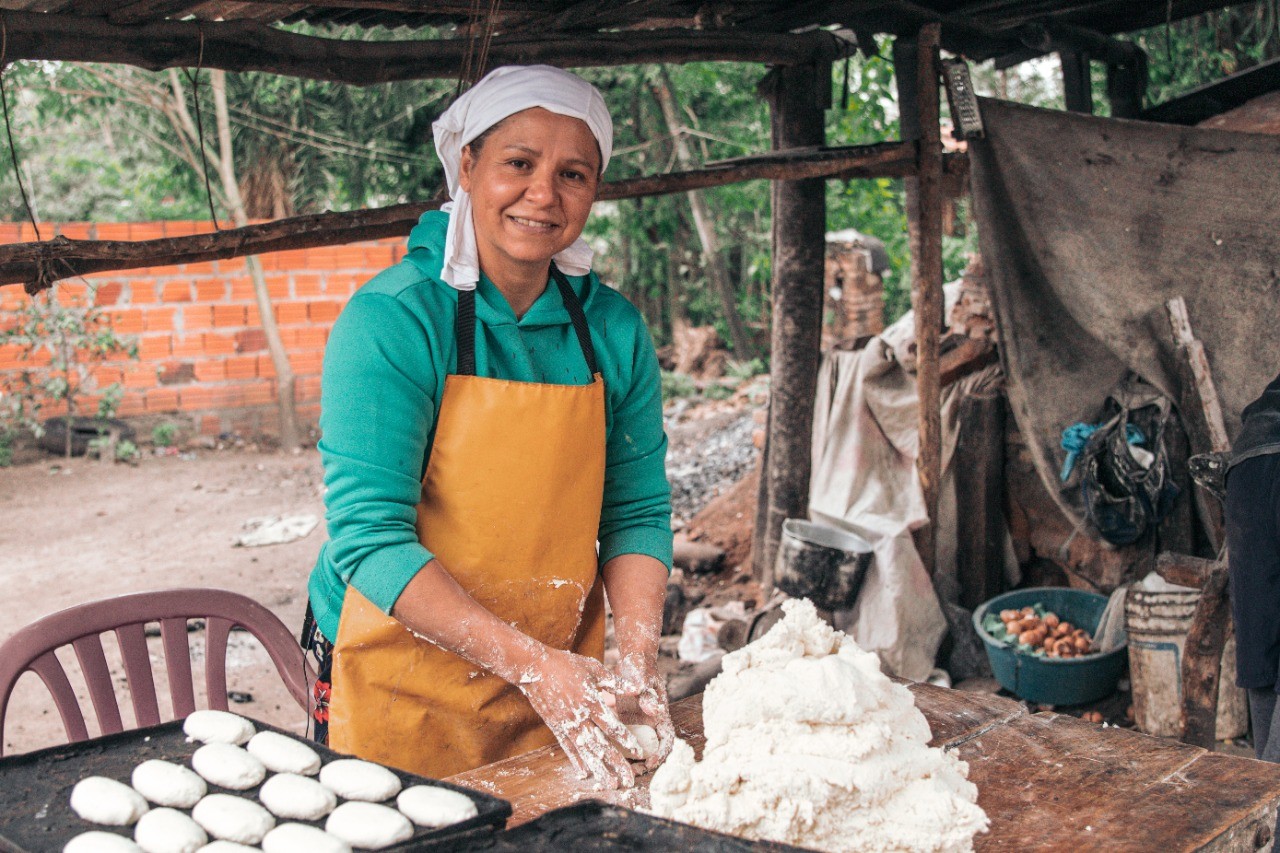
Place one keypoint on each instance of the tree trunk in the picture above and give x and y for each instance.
(289, 434)
(664, 94)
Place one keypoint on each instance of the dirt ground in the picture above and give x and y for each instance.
(78, 531)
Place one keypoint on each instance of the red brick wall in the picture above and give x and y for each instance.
(202, 351)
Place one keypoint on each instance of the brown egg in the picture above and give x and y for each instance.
(1051, 621)
(1006, 615)
(1027, 638)
(1028, 611)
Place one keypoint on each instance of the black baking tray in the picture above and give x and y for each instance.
(591, 826)
(35, 788)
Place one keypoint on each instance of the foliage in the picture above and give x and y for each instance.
(677, 385)
(164, 433)
(62, 338)
(746, 369)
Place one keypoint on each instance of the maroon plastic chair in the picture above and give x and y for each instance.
(33, 647)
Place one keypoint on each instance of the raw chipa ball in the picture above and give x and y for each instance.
(228, 766)
(282, 754)
(168, 784)
(217, 727)
(98, 799)
(354, 779)
(167, 830)
(368, 825)
(295, 837)
(427, 805)
(233, 818)
(289, 795)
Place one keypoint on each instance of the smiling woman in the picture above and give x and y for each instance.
(494, 457)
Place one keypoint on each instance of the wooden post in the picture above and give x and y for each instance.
(918, 98)
(1077, 85)
(798, 95)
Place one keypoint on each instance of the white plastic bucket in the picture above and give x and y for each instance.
(1157, 624)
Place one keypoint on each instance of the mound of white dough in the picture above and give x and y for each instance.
(809, 743)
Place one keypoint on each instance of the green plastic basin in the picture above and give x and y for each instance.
(1053, 681)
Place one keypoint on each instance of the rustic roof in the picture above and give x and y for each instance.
(979, 28)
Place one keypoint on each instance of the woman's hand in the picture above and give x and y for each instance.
(638, 676)
(569, 692)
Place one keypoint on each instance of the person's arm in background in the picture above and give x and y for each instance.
(378, 405)
(635, 534)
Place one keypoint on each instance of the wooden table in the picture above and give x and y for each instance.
(1047, 781)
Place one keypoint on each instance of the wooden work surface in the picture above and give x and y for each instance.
(1047, 781)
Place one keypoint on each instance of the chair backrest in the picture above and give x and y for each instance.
(33, 648)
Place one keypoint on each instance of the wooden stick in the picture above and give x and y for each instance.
(1210, 406)
(927, 284)
(250, 46)
(1185, 570)
(40, 264)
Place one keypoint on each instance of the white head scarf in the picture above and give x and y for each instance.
(504, 92)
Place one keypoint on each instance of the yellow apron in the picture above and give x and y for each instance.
(511, 508)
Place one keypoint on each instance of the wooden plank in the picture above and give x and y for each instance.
(979, 478)
(1052, 782)
(1202, 661)
(1185, 570)
(1206, 390)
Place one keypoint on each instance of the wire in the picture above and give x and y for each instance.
(195, 96)
(8, 128)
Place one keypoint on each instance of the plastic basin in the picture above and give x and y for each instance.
(1053, 681)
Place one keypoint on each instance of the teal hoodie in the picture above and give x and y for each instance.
(384, 371)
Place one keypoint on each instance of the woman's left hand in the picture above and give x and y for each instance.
(638, 677)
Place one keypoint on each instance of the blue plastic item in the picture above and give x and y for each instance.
(1053, 681)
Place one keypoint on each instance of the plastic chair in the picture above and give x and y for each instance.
(33, 647)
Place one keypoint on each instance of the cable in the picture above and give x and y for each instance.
(8, 128)
(195, 95)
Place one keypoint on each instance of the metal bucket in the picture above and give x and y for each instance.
(821, 563)
(1157, 624)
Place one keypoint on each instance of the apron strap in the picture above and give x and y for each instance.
(465, 325)
(576, 316)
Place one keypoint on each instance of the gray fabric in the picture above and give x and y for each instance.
(1262, 713)
(1088, 225)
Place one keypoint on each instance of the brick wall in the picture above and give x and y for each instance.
(203, 354)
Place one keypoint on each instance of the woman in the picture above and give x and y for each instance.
(490, 411)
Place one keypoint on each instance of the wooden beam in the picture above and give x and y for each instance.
(40, 264)
(979, 477)
(1202, 661)
(798, 96)
(1218, 97)
(240, 46)
(926, 270)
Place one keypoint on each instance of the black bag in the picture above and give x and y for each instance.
(1123, 498)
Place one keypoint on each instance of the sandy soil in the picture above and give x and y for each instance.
(80, 531)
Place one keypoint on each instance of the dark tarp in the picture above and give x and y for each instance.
(1087, 226)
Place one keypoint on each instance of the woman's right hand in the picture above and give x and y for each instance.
(572, 694)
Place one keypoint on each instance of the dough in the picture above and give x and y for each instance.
(233, 818)
(293, 796)
(100, 842)
(168, 784)
(648, 738)
(228, 766)
(368, 825)
(428, 805)
(168, 831)
(354, 779)
(283, 754)
(295, 837)
(808, 743)
(217, 727)
(227, 847)
(98, 799)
